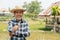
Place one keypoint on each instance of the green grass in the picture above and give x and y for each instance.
(34, 25)
(35, 36)
(3, 26)
(44, 36)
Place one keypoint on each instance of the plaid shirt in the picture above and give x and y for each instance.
(23, 30)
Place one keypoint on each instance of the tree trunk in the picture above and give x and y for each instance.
(55, 24)
(55, 27)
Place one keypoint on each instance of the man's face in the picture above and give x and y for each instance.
(18, 15)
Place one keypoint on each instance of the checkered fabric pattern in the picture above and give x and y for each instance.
(23, 30)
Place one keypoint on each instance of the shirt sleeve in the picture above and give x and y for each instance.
(27, 30)
(10, 26)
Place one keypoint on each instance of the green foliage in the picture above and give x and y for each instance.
(55, 10)
(30, 16)
(33, 7)
(4, 18)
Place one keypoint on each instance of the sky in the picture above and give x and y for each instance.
(12, 3)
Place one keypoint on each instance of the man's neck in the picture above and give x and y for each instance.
(18, 20)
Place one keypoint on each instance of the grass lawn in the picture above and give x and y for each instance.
(3, 26)
(35, 34)
(34, 25)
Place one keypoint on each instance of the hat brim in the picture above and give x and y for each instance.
(13, 10)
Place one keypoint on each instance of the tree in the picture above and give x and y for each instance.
(55, 13)
(33, 8)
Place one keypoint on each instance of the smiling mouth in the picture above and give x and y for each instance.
(19, 16)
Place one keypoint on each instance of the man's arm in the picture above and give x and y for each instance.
(27, 30)
(10, 26)
(12, 29)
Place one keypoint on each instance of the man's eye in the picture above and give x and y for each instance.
(15, 12)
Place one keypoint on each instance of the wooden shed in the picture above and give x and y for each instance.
(49, 17)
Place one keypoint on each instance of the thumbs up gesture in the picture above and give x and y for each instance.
(16, 27)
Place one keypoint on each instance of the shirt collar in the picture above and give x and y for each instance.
(17, 21)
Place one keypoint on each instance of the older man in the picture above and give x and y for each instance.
(18, 28)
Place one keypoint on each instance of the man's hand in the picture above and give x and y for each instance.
(15, 28)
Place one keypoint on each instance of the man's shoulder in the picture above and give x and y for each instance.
(24, 21)
(10, 20)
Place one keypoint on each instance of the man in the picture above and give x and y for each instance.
(18, 28)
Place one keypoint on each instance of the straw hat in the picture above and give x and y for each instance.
(17, 8)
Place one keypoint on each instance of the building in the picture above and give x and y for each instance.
(47, 14)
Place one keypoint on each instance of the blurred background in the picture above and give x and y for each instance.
(43, 17)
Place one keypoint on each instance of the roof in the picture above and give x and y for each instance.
(48, 10)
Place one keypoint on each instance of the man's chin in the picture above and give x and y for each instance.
(18, 18)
